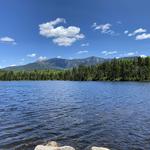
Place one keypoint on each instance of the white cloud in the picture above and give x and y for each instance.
(126, 32)
(13, 65)
(140, 30)
(58, 57)
(42, 58)
(62, 36)
(140, 34)
(130, 54)
(7, 40)
(64, 41)
(82, 52)
(106, 53)
(117, 57)
(143, 36)
(130, 34)
(137, 31)
(104, 28)
(85, 44)
(31, 55)
(143, 56)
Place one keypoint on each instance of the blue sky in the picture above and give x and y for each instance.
(33, 30)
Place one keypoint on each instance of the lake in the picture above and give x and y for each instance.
(80, 114)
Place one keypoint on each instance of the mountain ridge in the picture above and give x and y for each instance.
(57, 64)
(61, 63)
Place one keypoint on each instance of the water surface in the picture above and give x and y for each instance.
(81, 114)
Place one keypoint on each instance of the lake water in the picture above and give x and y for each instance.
(81, 114)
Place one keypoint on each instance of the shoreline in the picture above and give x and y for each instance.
(79, 80)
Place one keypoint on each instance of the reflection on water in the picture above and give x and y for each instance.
(80, 114)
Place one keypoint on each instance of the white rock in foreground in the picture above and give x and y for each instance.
(54, 146)
(99, 148)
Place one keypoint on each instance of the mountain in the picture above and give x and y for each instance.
(58, 63)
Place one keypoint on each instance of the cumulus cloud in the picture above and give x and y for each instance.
(85, 44)
(139, 34)
(104, 28)
(82, 52)
(62, 36)
(42, 58)
(140, 30)
(143, 36)
(7, 40)
(137, 31)
(106, 53)
(64, 41)
(31, 55)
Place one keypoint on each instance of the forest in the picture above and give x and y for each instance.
(137, 69)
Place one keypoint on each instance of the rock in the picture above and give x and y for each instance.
(66, 148)
(53, 146)
(52, 143)
(99, 148)
(42, 147)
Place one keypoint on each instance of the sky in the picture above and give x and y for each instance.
(35, 30)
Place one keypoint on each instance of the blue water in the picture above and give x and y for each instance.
(81, 114)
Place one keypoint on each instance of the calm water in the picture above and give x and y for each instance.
(80, 114)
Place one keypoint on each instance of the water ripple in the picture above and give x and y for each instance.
(80, 114)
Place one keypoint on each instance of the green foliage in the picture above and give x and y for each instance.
(137, 69)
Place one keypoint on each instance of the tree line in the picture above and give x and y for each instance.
(137, 69)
